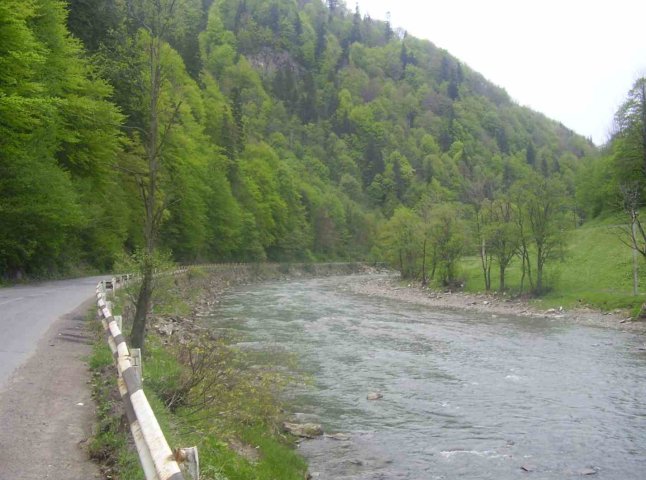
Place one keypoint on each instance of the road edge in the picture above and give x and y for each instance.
(46, 408)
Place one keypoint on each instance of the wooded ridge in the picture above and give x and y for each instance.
(284, 130)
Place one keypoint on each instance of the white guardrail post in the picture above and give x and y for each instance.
(156, 457)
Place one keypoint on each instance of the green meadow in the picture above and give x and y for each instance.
(595, 270)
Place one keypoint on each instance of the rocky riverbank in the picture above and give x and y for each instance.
(201, 288)
(204, 286)
(391, 286)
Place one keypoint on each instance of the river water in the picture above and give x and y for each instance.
(465, 396)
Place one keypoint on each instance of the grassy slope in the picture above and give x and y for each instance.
(596, 271)
(276, 455)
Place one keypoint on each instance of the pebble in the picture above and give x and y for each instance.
(587, 471)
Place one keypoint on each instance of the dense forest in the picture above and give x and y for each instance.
(281, 130)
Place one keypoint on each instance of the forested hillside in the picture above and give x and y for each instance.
(280, 130)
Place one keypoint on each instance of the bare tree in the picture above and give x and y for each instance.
(633, 235)
(630, 124)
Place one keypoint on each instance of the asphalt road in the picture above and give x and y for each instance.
(27, 311)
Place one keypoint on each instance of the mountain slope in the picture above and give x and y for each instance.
(293, 129)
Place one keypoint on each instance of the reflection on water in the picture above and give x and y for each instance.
(465, 395)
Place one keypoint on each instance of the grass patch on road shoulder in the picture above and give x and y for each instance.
(111, 446)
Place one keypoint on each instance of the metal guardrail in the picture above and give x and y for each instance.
(155, 455)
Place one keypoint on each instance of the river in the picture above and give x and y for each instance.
(465, 396)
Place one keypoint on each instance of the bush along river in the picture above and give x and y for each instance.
(463, 394)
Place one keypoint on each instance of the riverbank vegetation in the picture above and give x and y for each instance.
(204, 392)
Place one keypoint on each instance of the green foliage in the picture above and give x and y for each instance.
(160, 261)
(285, 132)
(58, 134)
(630, 142)
(501, 235)
(401, 241)
(448, 238)
(542, 214)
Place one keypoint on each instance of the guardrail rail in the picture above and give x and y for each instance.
(155, 455)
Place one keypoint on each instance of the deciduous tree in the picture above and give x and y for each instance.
(543, 209)
(402, 241)
(155, 21)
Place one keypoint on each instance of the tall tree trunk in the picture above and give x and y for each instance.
(138, 332)
(526, 268)
(501, 287)
(529, 269)
(424, 280)
(148, 189)
(433, 266)
(523, 272)
(633, 234)
(539, 270)
(485, 265)
(489, 274)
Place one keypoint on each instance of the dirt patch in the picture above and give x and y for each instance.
(390, 286)
(46, 410)
(245, 450)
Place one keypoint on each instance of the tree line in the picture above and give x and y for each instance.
(527, 222)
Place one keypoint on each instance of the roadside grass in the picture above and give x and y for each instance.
(236, 429)
(596, 270)
(237, 435)
(111, 445)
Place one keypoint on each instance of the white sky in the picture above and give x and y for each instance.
(573, 60)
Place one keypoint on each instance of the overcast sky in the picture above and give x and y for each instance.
(572, 60)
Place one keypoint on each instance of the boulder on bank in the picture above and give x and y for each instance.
(165, 329)
(304, 430)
